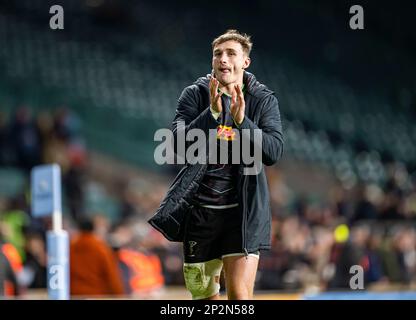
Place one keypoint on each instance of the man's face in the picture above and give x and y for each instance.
(229, 62)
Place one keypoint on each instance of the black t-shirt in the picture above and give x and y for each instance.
(219, 185)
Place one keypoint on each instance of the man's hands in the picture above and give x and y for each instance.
(214, 96)
(238, 105)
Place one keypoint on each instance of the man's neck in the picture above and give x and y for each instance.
(229, 89)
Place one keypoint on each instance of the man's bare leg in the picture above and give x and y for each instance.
(240, 276)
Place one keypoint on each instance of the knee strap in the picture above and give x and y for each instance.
(203, 279)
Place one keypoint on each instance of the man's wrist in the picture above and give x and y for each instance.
(238, 124)
(214, 113)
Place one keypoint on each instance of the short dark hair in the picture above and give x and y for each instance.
(85, 224)
(232, 34)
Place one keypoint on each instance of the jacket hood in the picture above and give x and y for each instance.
(252, 86)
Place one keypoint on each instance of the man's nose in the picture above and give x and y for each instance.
(223, 58)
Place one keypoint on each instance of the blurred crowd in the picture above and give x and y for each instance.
(108, 258)
(315, 240)
(49, 137)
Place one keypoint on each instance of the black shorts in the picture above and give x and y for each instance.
(212, 233)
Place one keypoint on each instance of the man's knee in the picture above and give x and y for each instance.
(203, 279)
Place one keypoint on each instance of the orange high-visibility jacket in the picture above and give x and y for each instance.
(146, 270)
(15, 261)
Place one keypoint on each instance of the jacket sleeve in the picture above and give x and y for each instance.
(270, 125)
(188, 116)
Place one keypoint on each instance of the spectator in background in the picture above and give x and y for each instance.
(34, 267)
(141, 267)
(10, 267)
(346, 254)
(393, 206)
(66, 125)
(66, 130)
(366, 208)
(61, 143)
(375, 270)
(73, 180)
(45, 127)
(404, 254)
(15, 219)
(410, 205)
(272, 267)
(8, 279)
(25, 139)
(93, 268)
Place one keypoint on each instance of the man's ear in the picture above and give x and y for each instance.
(247, 62)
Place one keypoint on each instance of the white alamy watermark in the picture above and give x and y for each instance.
(357, 280)
(357, 20)
(195, 147)
(57, 20)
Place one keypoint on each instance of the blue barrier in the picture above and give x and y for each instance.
(362, 295)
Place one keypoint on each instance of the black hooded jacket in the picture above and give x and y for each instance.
(261, 112)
